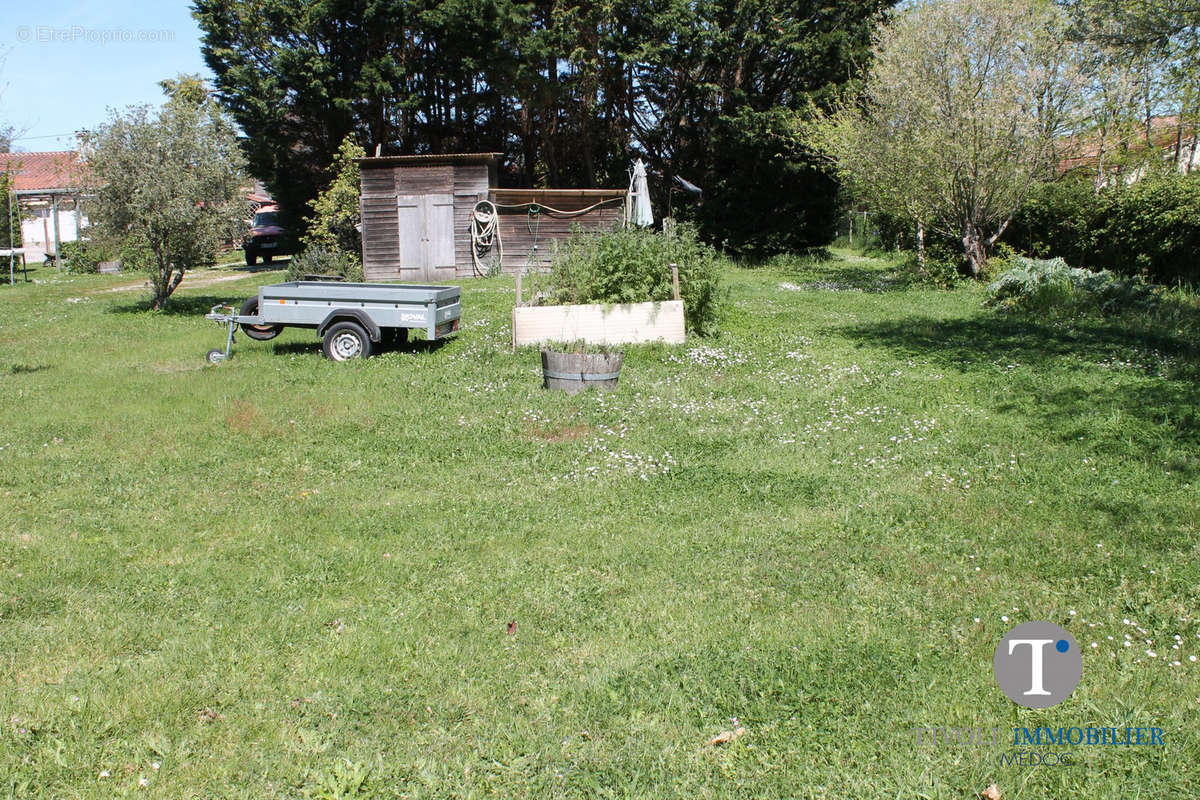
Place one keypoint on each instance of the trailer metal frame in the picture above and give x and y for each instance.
(359, 313)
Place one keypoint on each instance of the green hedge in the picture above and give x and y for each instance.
(1150, 227)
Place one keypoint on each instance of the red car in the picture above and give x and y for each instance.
(267, 238)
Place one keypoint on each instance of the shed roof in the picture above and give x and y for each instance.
(429, 160)
(41, 171)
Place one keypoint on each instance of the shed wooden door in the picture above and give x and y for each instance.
(426, 233)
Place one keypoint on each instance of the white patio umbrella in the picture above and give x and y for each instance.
(639, 197)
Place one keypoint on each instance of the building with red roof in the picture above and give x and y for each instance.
(47, 191)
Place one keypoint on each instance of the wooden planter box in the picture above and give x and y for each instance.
(600, 324)
(627, 323)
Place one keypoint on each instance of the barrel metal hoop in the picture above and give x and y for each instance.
(581, 376)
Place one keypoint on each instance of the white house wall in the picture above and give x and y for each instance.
(38, 233)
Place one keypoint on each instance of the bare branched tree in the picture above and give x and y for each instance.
(958, 117)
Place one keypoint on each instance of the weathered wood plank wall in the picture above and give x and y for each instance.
(470, 186)
(522, 231)
(380, 225)
(393, 254)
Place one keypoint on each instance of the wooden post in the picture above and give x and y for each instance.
(675, 279)
(57, 242)
(520, 272)
(12, 272)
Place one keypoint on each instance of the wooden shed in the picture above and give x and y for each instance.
(417, 216)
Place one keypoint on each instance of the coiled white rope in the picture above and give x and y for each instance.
(485, 234)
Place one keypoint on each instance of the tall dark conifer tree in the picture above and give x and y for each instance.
(569, 90)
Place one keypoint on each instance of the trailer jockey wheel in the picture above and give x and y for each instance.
(215, 356)
(345, 341)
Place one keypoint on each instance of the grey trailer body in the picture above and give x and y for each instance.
(348, 316)
(309, 304)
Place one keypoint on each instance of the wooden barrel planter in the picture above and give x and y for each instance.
(574, 372)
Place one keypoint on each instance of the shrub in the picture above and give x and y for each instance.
(323, 261)
(8, 231)
(333, 224)
(1050, 286)
(85, 255)
(1153, 227)
(136, 256)
(1058, 219)
(634, 266)
(76, 258)
(1149, 227)
(944, 263)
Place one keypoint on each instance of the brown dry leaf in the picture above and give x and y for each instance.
(208, 715)
(512, 628)
(725, 737)
(991, 793)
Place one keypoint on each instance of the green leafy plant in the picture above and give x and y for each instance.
(634, 266)
(344, 780)
(325, 261)
(86, 255)
(335, 217)
(581, 347)
(10, 217)
(1049, 286)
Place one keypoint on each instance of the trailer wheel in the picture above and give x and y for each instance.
(260, 332)
(215, 356)
(251, 259)
(346, 340)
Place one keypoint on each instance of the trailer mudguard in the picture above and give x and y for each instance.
(356, 314)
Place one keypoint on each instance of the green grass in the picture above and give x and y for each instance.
(284, 577)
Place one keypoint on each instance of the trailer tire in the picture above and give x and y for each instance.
(262, 333)
(251, 259)
(345, 341)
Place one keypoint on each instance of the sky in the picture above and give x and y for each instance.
(65, 64)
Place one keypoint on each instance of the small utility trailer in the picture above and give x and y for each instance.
(350, 318)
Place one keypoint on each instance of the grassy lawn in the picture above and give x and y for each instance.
(284, 577)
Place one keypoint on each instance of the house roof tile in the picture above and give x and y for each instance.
(41, 171)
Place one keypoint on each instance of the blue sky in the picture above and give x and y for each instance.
(67, 63)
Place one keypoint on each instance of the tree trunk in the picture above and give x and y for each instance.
(974, 250)
(921, 247)
(166, 281)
